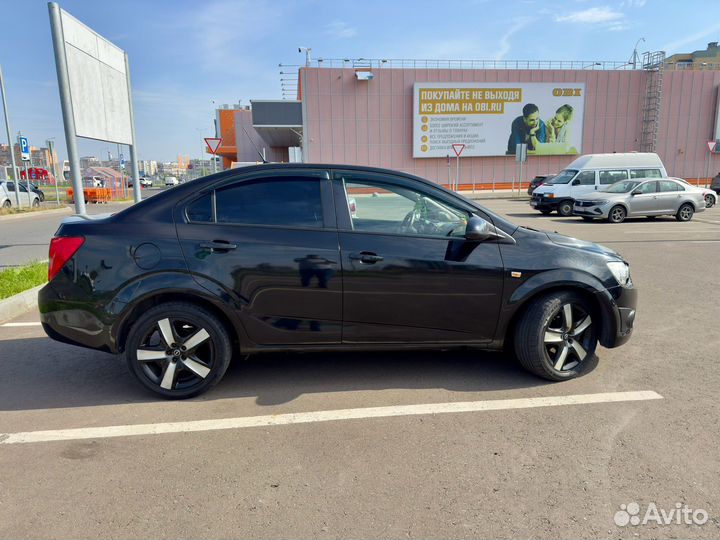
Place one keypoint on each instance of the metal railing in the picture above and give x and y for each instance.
(376, 63)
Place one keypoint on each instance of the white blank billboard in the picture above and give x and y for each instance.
(98, 84)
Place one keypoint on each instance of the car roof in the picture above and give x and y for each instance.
(621, 160)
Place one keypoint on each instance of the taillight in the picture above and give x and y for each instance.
(62, 248)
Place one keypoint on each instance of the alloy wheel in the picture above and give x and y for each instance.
(176, 354)
(709, 201)
(617, 214)
(568, 336)
(685, 213)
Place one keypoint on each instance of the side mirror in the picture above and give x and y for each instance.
(479, 230)
(576, 182)
(634, 192)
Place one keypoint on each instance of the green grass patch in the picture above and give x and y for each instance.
(22, 278)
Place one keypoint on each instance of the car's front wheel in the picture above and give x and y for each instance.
(178, 350)
(556, 335)
(709, 201)
(36, 203)
(617, 214)
(565, 208)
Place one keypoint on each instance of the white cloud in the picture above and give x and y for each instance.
(594, 15)
(688, 40)
(340, 30)
(505, 39)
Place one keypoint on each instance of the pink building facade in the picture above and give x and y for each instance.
(370, 122)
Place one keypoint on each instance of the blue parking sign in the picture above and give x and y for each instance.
(24, 149)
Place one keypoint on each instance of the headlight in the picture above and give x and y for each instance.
(621, 271)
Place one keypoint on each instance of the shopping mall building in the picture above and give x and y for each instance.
(407, 115)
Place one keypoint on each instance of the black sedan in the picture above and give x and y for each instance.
(539, 180)
(271, 258)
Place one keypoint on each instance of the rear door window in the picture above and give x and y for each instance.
(287, 201)
(667, 186)
(610, 177)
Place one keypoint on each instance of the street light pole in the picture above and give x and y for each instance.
(9, 138)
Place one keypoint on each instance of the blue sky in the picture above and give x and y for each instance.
(186, 54)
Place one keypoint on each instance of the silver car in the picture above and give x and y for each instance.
(641, 197)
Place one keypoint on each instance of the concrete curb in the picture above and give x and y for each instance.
(19, 304)
(64, 210)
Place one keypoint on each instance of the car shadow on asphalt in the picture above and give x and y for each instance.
(41, 374)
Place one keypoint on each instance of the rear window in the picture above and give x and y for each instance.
(645, 173)
(610, 177)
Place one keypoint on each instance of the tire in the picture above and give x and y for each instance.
(709, 201)
(546, 212)
(36, 203)
(169, 370)
(549, 347)
(587, 218)
(617, 214)
(6, 204)
(565, 208)
(685, 212)
(650, 217)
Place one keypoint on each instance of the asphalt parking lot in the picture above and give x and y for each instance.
(417, 445)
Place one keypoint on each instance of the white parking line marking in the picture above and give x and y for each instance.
(320, 416)
(16, 324)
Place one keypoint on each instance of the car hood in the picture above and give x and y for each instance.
(602, 195)
(569, 241)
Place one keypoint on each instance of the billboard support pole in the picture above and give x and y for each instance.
(9, 137)
(66, 106)
(133, 152)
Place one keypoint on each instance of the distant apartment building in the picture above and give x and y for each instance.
(89, 161)
(148, 167)
(39, 157)
(703, 59)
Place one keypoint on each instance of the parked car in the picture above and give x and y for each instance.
(633, 198)
(539, 180)
(591, 173)
(709, 195)
(8, 195)
(33, 187)
(171, 181)
(715, 184)
(39, 192)
(146, 182)
(270, 258)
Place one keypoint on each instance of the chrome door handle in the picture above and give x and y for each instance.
(218, 245)
(365, 257)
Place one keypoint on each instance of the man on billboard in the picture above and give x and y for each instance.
(527, 129)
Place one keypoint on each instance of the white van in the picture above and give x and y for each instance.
(593, 172)
(171, 181)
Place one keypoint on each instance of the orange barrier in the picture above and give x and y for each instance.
(92, 195)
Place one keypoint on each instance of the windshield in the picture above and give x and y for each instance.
(563, 177)
(623, 186)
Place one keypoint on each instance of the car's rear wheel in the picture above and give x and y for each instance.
(6, 204)
(617, 214)
(565, 208)
(178, 350)
(709, 201)
(685, 212)
(556, 335)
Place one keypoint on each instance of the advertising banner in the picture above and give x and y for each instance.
(491, 119)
